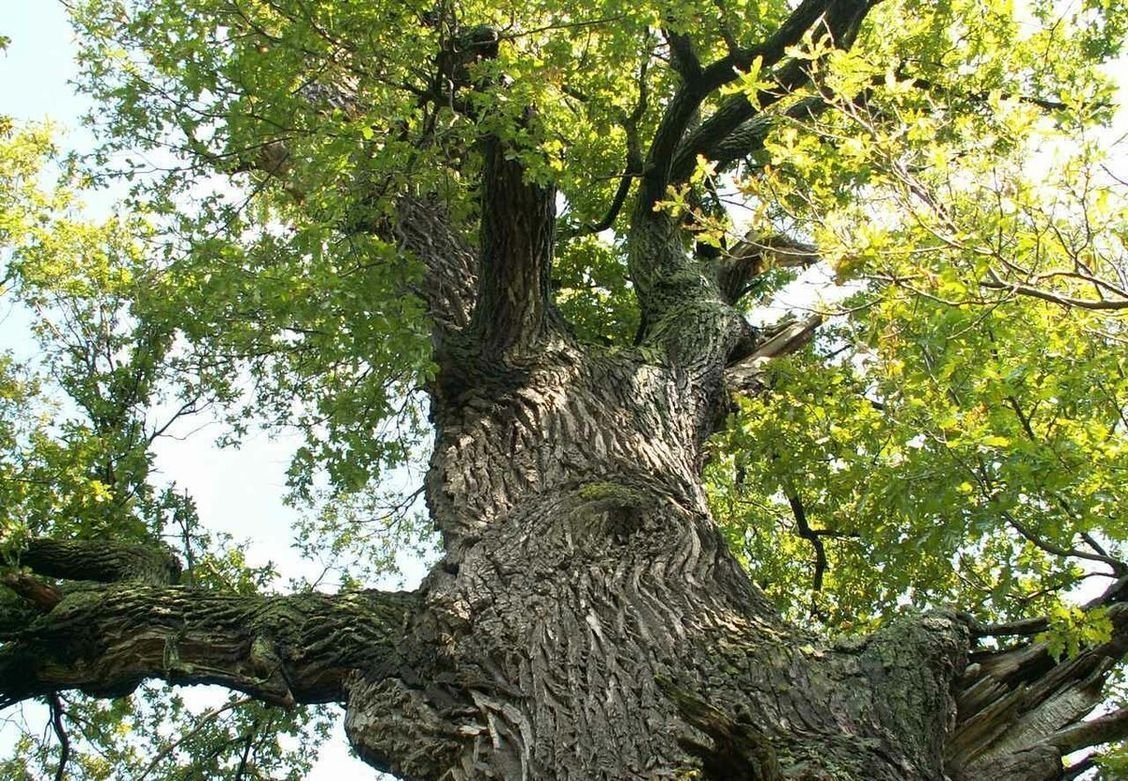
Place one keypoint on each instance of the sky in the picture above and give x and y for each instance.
(238, 491)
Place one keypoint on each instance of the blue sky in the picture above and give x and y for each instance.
(38, 63)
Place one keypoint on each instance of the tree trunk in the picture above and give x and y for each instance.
(588, 621)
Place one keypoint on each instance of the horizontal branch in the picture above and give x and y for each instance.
(994, 282)
(1104, 729)
(1023, 627)
(284, 650)
(100, 562)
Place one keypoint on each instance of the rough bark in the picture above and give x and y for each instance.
(587, 620)
(104, 639)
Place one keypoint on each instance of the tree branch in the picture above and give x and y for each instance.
(1078, 768)
(517, 226)
(41, 596)
(1119, 568)
(1105, 729)
(635, 164)
(100, 562)
(994, 282)
(283, 650)
(747, 375)
(1009, 700)
(106, 640)
(808, 534)
(423, 228)
(840, 20)
(748, 137)
(683, 55)
(61, 733)
(201, 722)
(694, 91)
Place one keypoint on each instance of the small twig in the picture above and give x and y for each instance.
(203, 720)
(248, 744)
(1119, 568)
(60, 729)
(813, 537)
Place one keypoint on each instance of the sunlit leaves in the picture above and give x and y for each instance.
(77, 445)
(592, 292)
(1072, 629)
(963, 435)
(947, 460)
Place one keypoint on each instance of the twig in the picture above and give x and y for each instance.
(1119, 568)
(57, 712)
(200, 723)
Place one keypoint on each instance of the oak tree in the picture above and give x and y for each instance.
(680, 534)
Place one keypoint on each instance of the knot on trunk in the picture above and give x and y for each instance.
(621, 506)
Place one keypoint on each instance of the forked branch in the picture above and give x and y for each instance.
(671, 145)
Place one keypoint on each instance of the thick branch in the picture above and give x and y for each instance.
(1021, 707)
(100, 562)
(1105, 729)
(518, 220)
(748, 137)
(284, 650)
(683, 55)
(423, 228)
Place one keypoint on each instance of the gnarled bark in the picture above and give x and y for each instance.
(105, 640)
(587, 620)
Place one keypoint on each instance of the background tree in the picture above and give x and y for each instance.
(545, 231)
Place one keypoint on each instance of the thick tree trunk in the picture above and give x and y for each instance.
(588, 621)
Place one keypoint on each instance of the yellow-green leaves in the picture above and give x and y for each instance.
(1072, 629)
